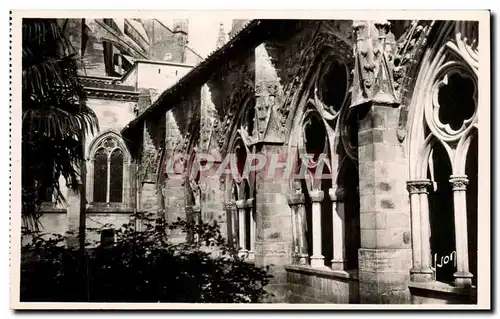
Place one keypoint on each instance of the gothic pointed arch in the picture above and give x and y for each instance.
(243, 125)
(108, 170)
(447, 108)
(442, 164)
(329, 102)
(326, 52)
(320, 126)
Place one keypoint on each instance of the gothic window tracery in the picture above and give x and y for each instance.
(108, 171)
(443, 165)
(250, 119)
(325, 206)
(449, 118)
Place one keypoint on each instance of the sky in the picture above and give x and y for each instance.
(203, 33)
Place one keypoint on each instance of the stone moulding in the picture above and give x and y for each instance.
(109, 94)
(436, 286)
(328, 273)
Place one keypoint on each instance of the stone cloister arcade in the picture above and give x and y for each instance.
(373, 128)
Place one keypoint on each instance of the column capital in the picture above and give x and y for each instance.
(316, 195)
(241, 204)
(459, 182)
(231, 205)
(250, 202)
(296, 199)
(420, 186)
(337, 194)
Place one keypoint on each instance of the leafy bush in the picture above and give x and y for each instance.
(141, 266)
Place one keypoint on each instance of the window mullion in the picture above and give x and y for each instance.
(108, 181)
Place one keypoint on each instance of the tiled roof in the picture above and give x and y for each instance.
(237, 40)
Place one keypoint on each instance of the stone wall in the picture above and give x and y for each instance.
(52, 221)
(96, 221)
(164, 44)
(164, 39)
(441, 294)
(159, 76)
(212, 203)
(308, 285)
(112, 114)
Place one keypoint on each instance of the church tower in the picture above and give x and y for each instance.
(180, 38)
(221, 37)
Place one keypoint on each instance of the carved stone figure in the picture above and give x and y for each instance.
(372, 72)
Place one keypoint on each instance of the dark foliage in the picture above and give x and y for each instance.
(55, 117)
(141, 266)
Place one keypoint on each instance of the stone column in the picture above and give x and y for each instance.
(108, 179)
(174, 202)
(338, 224)
(463, 278)
(241, 206)
(419, 205)
(196, 220)
(273, 246)
(251, 252)
(295, 240)
(296, 202)
(425, 235)
(385, 253)
(317, 259)
(128, 198)
(301, 222)
(190, 214)
(230, 208)
(212, 199)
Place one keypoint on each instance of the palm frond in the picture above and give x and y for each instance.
(55, 115)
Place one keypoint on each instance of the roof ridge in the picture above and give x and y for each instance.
(251, 23)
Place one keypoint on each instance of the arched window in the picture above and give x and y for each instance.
(100, 176)
(324, 198)
(443, 166)
(116, 176)
(108, 170)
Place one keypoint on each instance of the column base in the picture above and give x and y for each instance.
(243, 253)
(384, 275)
(338, 264)
(463, 279)
(251, 255)
(422, 274)
(302, 259)
(318, 261)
